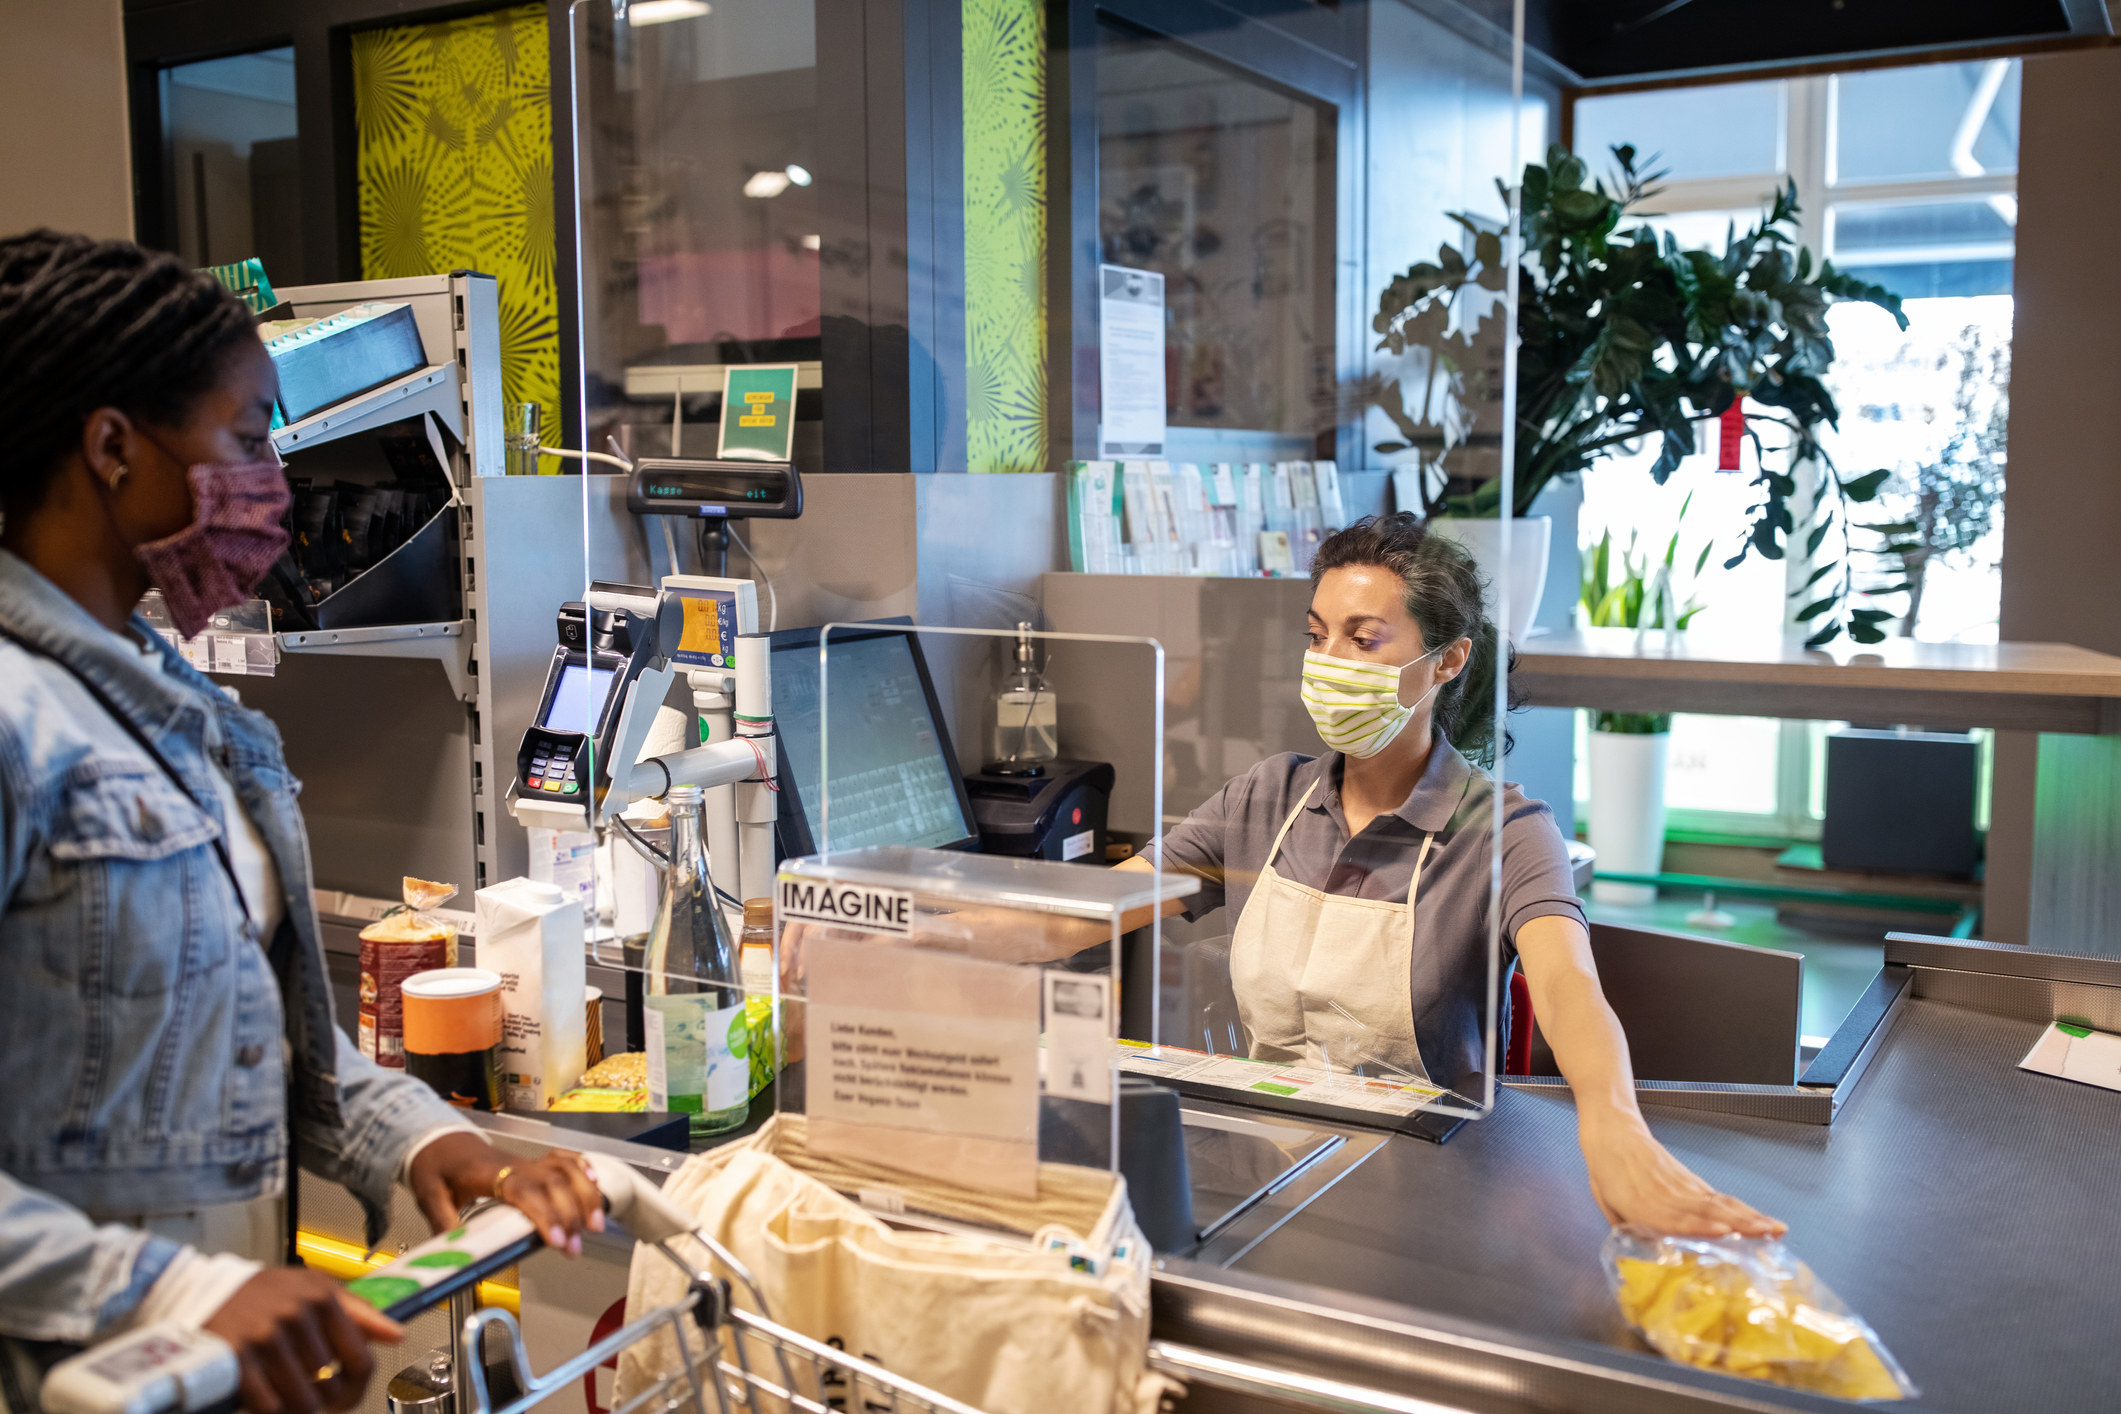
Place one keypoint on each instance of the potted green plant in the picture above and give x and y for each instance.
(1623, 335)
(1631, 751)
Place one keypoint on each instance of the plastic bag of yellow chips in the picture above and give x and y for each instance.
(1746, 1306)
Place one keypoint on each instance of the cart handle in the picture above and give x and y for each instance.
(494, 1236)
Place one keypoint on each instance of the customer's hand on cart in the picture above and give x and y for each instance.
(556, 1191)
(301, 1342)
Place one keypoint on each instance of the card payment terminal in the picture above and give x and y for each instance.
(584, 685)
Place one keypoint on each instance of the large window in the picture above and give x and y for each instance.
(1907, 177)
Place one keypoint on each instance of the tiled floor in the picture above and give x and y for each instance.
(1836, 967)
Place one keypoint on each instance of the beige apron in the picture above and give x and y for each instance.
(1326, 979)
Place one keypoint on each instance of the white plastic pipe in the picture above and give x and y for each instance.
(756, 804)
(720, 763)
(712, 702)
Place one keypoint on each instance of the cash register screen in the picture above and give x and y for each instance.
(894, 779)
(578, 701)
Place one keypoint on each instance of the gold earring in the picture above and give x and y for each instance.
(119, 475)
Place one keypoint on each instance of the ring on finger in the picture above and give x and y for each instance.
(327, 1373)
(502, 1177)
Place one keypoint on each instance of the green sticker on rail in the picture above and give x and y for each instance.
(2080, 1032)
(1273, 1089)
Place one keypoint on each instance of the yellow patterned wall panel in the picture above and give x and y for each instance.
(1005, 234)
(453, 125)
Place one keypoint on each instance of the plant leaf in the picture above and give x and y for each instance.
(1865, 487)
(1817, 607)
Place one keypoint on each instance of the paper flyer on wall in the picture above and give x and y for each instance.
(1238, 1073)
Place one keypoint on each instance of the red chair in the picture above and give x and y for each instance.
(1517, 1054)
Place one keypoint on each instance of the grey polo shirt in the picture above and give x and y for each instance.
(1226, 841)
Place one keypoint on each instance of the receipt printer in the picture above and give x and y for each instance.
(1051, 810)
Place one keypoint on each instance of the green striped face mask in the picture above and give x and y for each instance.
(1356, 704)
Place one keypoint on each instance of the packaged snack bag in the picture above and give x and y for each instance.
(1746, 1306)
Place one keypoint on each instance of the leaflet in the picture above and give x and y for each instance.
(1295, 1082)
(2078, 1053)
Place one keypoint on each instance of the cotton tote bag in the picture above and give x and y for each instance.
(1056, 1323)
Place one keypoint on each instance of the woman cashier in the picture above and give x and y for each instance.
(1360, 878)
(165, 1016)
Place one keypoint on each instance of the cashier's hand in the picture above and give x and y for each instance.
(1636, 1180)
(556, 1190)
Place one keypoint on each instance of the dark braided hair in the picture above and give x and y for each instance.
(1443, 593)
(88, 324)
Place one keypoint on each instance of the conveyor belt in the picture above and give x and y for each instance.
(1966, 1208)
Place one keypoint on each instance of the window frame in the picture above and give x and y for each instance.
(1807, 145)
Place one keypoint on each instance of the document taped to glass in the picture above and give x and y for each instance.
(1244, 1077)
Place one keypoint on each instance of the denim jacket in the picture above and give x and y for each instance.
(141, 1020)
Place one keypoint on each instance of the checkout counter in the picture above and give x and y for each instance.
(1962, 1205)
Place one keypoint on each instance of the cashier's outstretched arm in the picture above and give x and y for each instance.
(1634, 1178)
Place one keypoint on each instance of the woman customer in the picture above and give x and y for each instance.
(166, 1020)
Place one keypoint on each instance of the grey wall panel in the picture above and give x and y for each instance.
(849, 557)
(383, 749)
(533, 558)
(1234, 649)
(985, 543)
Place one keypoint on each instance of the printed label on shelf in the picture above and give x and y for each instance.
(1296, 1082)
(1077, 845)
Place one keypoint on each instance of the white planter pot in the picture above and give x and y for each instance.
(1526, 574)
(1627, 810)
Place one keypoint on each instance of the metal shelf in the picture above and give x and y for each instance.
(431, 389)
(446, 643)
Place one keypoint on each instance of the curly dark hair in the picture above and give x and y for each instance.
(1444, 594)
(87, 324)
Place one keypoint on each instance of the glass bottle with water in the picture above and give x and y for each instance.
(698, 1041)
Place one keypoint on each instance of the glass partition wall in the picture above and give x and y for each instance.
(700, 220)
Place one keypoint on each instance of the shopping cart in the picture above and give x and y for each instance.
(728, 1358)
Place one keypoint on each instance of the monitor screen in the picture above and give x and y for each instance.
(578, 701)
(894, 781)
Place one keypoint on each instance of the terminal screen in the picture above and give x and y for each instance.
(893, 782)
(578, 701)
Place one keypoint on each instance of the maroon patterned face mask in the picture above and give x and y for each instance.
(234, 537)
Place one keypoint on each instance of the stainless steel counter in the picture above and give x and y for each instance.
(1964, 1207)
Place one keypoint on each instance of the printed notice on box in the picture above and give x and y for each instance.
(925, 1061)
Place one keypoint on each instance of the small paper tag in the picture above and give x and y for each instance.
(1731, 444)
(1078, 1035)
(847, 905)
(888, 1201)
(1078, 845)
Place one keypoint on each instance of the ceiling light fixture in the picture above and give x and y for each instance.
(799, 175)
(765, 184)
(662, 12)
(813, 243)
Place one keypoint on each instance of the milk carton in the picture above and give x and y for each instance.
(531, 934)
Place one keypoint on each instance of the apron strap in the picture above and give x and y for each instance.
(1283, 832)
(1414, 886)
